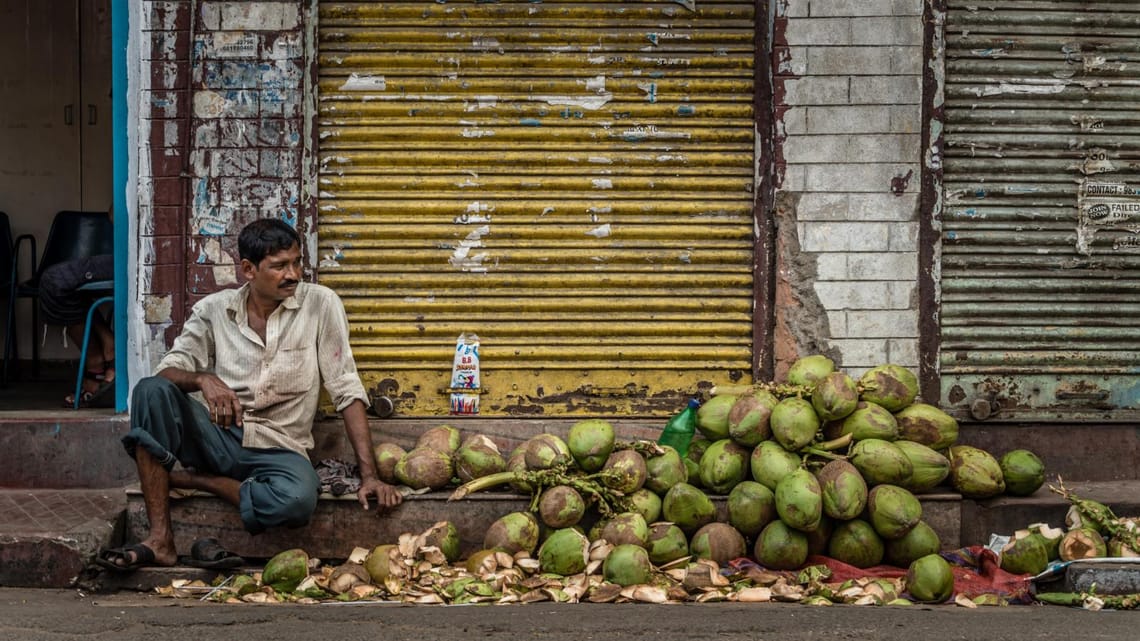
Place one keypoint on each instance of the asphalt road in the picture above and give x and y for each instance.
(54, 615)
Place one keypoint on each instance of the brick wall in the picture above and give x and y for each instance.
(225, 98)
(848, 89)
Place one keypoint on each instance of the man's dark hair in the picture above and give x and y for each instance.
(264, 237)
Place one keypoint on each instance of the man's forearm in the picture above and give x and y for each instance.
(186, 381)
(360, 437)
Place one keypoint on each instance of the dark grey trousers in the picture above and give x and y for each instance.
(279, 486)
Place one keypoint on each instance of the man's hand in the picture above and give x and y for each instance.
(221, 401)
(386, 496)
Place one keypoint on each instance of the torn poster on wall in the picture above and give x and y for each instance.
(1108, 206)
(465, 383)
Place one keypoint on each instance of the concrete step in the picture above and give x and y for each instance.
(49, 536)
(1006, 514)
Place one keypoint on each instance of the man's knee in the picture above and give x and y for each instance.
(297, 510)
(152, 386)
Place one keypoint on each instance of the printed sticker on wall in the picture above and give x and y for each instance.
(465, 382)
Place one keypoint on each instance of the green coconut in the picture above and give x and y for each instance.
(688, 507)
(712, 416)
(285, 571)
(692, 459)
(1050, 538)
(645, 503)
(779, 547)
(892, 386)
(724, 464)
(893, 511)
(809, 369)
(442, 438)
(1025, 554)
(627, 527)
(880, 462)
(920, 541)
(379, 562)
(928, 468)
(665, 470)
(930, 579)
(770, 463)
(870, 420)
(842, 490)
(1022, 472)
(445, 536)
(546, 451)
(386, 456)
(625, 471)
(718, 542)
(751, 506)
(565, 552)
(748, 419)
(627, 565)
(591, 442)
(856, 543)
(424, 467)
(666, 543)
(926, 424)
(834, 396)
(974, 472)
(1082, 543)
(794, 423)
(561, 506)
(478, 456)
(799, 501)
(513, 533)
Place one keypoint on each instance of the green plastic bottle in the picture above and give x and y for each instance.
(679, 430)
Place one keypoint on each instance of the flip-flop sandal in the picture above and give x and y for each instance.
(119, 559)
(208, 553)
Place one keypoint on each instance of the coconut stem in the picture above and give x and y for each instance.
(485, 483)
(836, 443)
(812, 451)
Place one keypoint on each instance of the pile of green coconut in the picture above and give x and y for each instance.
(818, 464)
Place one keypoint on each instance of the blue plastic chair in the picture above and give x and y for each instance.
(96, 286)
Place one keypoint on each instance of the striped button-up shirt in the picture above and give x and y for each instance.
(277, 380)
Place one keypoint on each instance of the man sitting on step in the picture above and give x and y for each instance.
(257, 355)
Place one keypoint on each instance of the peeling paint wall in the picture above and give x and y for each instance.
(222, 141)
(848, 88)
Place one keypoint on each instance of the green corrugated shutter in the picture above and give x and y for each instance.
(1041, 254)
(571, 181)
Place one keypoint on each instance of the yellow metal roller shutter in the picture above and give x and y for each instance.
(571, 181)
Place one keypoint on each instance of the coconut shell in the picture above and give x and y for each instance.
(285, 571)
(379, 562)
(1082, 543)
(561, 507)
(546, 451)
(1024, 555)
(445, 536)
(627, 527)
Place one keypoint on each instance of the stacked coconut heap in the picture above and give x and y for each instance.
(817, 464)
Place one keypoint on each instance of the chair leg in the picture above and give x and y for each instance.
(35, 338)
(91, 311)
(10, 336)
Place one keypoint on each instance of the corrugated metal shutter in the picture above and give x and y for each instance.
(571, 181)
(1040, 309)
